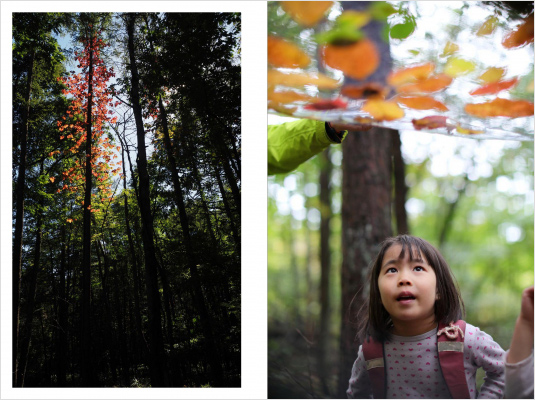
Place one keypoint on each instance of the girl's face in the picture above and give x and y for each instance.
(408, 289)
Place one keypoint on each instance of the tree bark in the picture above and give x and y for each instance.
(366, 204)
(158, 362)
(400, 188)
(325, 260)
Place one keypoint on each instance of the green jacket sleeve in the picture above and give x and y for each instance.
(292, 143)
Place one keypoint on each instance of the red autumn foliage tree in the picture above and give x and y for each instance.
(73, 125)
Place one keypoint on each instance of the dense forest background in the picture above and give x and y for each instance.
(472, 199)
(126, 200)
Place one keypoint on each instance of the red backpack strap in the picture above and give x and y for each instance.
(375, 364)
(450, 344)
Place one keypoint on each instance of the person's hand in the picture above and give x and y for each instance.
(526, 310)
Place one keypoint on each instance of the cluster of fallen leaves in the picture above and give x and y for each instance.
(414, 87)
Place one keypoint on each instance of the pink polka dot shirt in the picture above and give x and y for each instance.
(412, 368)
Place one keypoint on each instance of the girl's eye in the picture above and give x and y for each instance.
(418, 269)
(391, 270)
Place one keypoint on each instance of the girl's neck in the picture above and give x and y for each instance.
(413, 328)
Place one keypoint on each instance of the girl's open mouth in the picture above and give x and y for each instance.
(405, 298)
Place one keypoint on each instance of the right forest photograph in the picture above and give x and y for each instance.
(400, 199)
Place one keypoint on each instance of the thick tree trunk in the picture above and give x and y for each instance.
(19, 220)
(366, 205)
(158, 364)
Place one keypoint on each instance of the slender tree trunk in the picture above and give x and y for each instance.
(85, 343)
(325, 259)
(400, 188)
(19, 220)
(158, 364)
(215, 363)
(30, 298)
(61, 337)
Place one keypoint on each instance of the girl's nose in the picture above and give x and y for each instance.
(404, 281)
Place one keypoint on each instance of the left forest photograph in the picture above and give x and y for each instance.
(126, 199)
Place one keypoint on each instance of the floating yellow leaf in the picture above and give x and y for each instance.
(284, 54)
(431, 122)
(449, 49)
(358, 60)
(301, 79)
(430, 85)
(468, 131)
(288, 96)
(354, 18)
(383, 110)
(492, 75)
(457, 67)
(488, 26)
(521, 36)
(501, 108)
(422, 103)
(372, 90)
(410, 74)
(306, 13)
(52, 179)
(495, 87)
(529, 87)
(69, 220)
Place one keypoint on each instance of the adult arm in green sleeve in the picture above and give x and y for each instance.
(292, 143)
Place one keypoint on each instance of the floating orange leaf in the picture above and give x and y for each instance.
(521, 36)
(357, 60)
(327, 105)
(383, 110)
(492, 75)
(306, 13)
(495, 87)
(69, 220)
(52, 179)
(363, 120)
(372, 90)
(430, 85)
(280, 108)
(422, 103)
(431, 122)
(284, 54)
(488, 26)
(501, 108)
(410, 74)
(301, 79)
(288, 96)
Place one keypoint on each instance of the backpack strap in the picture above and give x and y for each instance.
(375, 364)
(450, 344)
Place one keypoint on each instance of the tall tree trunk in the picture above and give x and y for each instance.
(215, 363)
(30, 298)
(400, 188)
(19, 219)
(85, 342)
(61, 336)
(366, 205)
(158, 364)
(325, 259)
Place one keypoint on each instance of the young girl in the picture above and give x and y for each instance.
(412, 337)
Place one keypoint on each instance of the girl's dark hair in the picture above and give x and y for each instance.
(449, 307)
